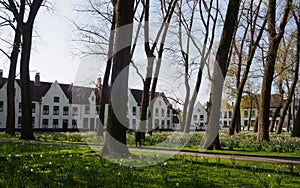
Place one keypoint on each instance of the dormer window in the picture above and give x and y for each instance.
(93, 98)
(56, 99)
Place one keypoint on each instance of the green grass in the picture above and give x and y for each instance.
(242, 143)
(30, 165)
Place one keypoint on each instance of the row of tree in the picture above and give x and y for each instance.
(246, 26)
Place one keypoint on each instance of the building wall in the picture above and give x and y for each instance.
(3, 101)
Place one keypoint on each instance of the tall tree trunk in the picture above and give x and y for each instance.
(250, 57)
(26, 29)
(274, 117)
(27, 130)
(115, 142)
(296, 124)
(274, 40)
(105, 88)
(10, 92)
(211, 139)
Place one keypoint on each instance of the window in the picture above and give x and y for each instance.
(156, 122)
(1, 106)
(20, 107)
(87, 109)
(201, 117)
(156, 111)
(55, 110)
(225, 124)
(159, 103)
(56, 99)
(201, 124)
(134, 110)
(33, 107)
(74, 123)
(195, 117)
(45, 123)
(74, 111)
(66, 110)
(230, 114)
(85, 123)
(168, 123)
(162, 112)
(168, 113)
(199, 110)
(45, 110)
(55, 123)
(225, 114)
(253, 113)
(245, 114)
(19, 121)
(271, 113)
(92, 98)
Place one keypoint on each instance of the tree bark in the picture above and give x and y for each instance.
(115, 142)
(105, 87)
(274, 40)
(10, 120)
(211, 139)
(296, 126)
(274, 117)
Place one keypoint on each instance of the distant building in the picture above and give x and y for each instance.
(65, 106)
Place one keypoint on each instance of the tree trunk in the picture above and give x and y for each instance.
(115, 142)
(10, 120)
(255, 129)
(211, 139)
(27, 130)
(296, 126)
(245, 77)
(105, 87)
(274, 117)
(274, 40)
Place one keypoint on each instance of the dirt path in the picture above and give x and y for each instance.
(272, 159)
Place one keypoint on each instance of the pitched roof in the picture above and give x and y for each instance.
(138, 95)
(77, 94)
(38, 91)
(2, 82)
(275, 101)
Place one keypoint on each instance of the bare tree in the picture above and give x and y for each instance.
(274, 40)
(26, 28)
(115, 142)
(211, 138)
(13, 57)
(252, 18)
(296, 123)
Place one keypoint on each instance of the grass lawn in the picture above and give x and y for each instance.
(242, 143)
(27, 165)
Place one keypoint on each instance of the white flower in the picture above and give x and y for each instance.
(165, 163)
(9, 155)
(86, 167)
(31, 170)
(119, 173)
(50, 163)
(31, 155)
(177, 184)
(41, 155)
(269, 175)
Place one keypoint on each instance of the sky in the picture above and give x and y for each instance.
(53, 54)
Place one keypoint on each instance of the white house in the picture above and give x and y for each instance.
(199, 117)
(161, 114)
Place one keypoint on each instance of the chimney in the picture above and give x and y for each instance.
(37, 80)
(1, 75)
(98, 85)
